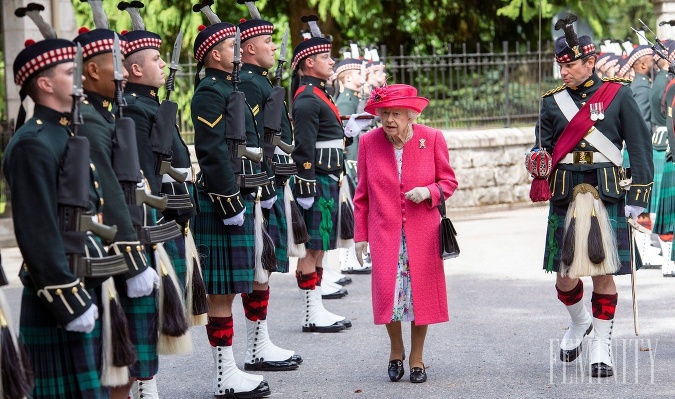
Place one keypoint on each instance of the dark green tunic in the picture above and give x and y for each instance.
(641, 87)
(348, 104)
(656, 106)
(68, 363)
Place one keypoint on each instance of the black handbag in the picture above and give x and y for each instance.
(449, 245)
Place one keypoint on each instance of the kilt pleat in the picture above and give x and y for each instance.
(143, 330)
(326, 188)
(226, 252)
(659, 163)
(66, 364)
(276, 228)
(665, 210)
(176, 251)
(556, 228)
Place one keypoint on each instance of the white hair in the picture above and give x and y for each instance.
(411, 114)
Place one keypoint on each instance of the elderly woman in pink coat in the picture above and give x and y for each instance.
(401, 167)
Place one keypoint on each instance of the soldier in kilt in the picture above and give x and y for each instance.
(319, 154)
(587, 233)
(59, 309)
(224, 227)
(258, 58)
(137, 287)
(664, 223)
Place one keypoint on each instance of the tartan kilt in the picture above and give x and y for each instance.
(66, 364)
(142, 319)
(326, 188)
(665, 209)
(176, 251)
(276, 227)
(556, 228)
(659, 163)
(226, 252)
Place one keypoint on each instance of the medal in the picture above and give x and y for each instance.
(601, 111)
(594, 111)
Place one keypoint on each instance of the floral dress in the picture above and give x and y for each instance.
(403, 304)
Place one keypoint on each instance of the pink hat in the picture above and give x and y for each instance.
(396, 96)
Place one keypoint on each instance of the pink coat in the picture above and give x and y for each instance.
(381, 211)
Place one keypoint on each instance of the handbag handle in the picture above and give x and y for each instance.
(441, 206)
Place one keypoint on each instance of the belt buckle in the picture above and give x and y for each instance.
(583, 157)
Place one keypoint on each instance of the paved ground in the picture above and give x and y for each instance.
(499, 343)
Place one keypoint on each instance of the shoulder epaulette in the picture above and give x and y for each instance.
(553, 91)
(617, 80)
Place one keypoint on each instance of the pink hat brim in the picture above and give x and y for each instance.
(416, 104)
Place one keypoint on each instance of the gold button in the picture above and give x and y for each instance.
(583, 145)
(583, 95)
(229, 200)
(101, 201)
(74, 290)
(139, 248)
(96, 184)
(39, 122)
(59, 291)
(92, 166)
(128, 249)
(154, 246)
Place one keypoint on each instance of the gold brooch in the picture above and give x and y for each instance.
(105, 103)
(152, 93)
(64, 121)
(423, 143)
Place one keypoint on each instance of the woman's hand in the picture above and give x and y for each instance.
(360, 248)
(418, 194)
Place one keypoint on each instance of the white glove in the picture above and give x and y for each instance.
(418, 194)
(360, 248)
(305, 203)
(85, 322)
(633, 211)
(142, 284)
(236, 220)
(354, 126)
(267, 204)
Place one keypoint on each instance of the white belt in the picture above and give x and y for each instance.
(279, 151)
(337, 143)
(254, 149)
(597, 158)
(168, 179)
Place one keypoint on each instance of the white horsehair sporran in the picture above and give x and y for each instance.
(589, 244)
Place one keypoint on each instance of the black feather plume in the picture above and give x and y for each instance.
(566, 24)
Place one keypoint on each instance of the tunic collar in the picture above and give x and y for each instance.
(214, 74)
(102, 104)
(255, 69)
(136, 89)
(312, 81)
(44, 114)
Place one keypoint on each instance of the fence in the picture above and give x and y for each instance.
(493, 88)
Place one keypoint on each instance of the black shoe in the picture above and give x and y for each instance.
(346, 322)
(336, 295)
(344, 281)
(261, 391)
(418, 374)
(365, 270)
(569, 355)
(601, 370)
(279, 365)
(295, 358)
(395, 370)
(335, 327)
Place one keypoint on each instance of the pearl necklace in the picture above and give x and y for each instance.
(405, 140)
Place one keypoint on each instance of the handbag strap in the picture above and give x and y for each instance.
(441, 206)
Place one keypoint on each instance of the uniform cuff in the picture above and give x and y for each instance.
(639, 195)
(305, 188)
(66, 302)
(227, 206)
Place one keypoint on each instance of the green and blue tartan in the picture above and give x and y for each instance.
(142, 318)
(665, 208)
(226, 252)
(66, 364)
(328, 189)
(659, 163)
(276, 228)
(556, 228)
(176, 251)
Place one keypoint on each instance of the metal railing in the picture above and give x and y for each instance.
(485, 87)
(476, 89)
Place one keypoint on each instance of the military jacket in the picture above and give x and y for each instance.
(641, 88)
(316, 120)
(669, 145)
(257, 87)
(658, 114)
(348, 102)
(99, 128)
(31, 166)
(216, 176)
(622, 122)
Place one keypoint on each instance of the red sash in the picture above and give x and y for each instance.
(323, 97)
(581, 123)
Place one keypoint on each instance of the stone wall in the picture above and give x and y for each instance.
(490, 167)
